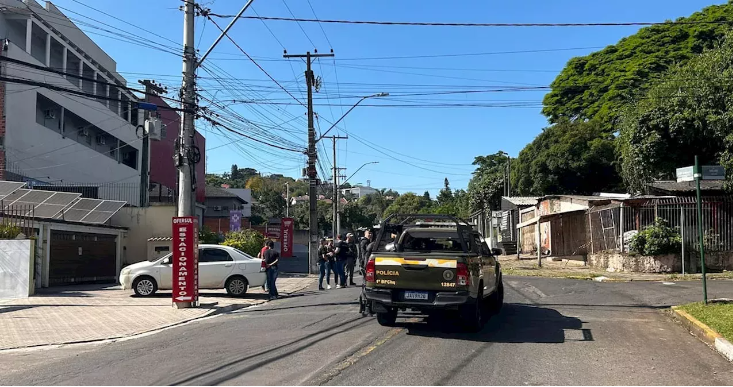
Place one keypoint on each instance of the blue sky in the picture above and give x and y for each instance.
(416, 147)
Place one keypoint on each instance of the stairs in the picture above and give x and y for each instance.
(509, 248)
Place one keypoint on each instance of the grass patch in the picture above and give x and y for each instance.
(718, 316)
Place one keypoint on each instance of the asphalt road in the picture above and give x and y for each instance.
(551, 331)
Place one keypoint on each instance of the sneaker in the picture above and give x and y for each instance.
(328, 287)
(338, 286)
(352, 284)
(321, 288)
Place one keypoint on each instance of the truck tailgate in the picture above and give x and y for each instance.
(416, 273)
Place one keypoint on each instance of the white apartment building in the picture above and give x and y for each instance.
(357, 191)
(57, 137)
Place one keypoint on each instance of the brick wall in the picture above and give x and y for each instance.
(221, 224)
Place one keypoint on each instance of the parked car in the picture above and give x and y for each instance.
(219, 267)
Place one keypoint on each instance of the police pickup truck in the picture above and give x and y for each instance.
(429, 264)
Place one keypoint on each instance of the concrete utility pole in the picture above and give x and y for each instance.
(150, 88)
(287, 200)
(185, 154)
(336, 186)
(310, 81)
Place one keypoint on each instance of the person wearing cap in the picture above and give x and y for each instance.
(341, 250)
(351, 258)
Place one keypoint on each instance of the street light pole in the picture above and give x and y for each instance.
(349, 111)
(287, 200)
(359, 169)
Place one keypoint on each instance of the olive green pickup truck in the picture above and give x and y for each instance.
(429, 264)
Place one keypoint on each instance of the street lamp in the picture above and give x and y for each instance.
(352, 108)
(359, 169)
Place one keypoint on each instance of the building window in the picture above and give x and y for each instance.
(129, 156)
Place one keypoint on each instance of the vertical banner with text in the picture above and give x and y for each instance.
(185, 259)
(286, 242)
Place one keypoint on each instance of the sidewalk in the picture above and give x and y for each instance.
(527, 267)
(92, 313)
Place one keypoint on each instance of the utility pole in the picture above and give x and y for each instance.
(336, 226)
(150, 88)
(310, 81)
(287, 200)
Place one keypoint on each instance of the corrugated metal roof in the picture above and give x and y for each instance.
(216, 192)
(688, 186)
(522, 200)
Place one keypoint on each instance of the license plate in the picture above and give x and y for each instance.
(416, 295)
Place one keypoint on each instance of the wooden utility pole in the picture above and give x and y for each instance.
(310, 81)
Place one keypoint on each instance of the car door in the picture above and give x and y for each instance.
(489, 267)
(486, 270)
(215, 265)
(165, 273)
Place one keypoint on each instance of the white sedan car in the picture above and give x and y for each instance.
(219, 267)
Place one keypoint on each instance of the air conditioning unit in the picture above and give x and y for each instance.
(154, 128)
(49, 114)
(83, 132)
(101, 140)
(217, 208)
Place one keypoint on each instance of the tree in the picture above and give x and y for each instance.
(567, 158)
(426, 195)
(598, 85)
(688, 113)
(445, 196)
(301, 215)
(354, 215)
(487, 184)
(247, 240)
(409, 203)
(234, 175)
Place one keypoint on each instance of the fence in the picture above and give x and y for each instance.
(19, 215)
(606, 225)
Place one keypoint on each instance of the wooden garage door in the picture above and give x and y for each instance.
(79, 257)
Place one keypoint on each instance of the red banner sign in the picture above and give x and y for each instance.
(286, 242)
(185, 259)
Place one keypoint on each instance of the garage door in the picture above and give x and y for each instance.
(80, 257)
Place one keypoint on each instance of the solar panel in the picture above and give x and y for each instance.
(103, 212)
(80, 209)
(8, 187)
(11, 198)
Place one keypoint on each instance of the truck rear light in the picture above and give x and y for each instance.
(263, 267)
(462, 274)
(370, 270)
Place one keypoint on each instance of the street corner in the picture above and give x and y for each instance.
(703, 332)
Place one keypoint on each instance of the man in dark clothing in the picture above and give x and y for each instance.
(341, 250)
(351, 258)
(271, 258)
(363, 243)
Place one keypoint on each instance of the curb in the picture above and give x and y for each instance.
(703, 332)
(213, 312)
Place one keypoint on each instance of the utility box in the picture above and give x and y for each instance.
(154, 128)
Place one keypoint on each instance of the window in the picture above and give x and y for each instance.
(479, 247)
(427, 241)
(214, 255)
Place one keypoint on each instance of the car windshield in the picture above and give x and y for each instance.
(430, 240)
(156, 259)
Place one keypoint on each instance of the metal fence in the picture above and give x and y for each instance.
(16, 216)
(607, 225)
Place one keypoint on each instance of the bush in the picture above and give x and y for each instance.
(657, 239)
(9, 231)
(247, 240)
(207, 236)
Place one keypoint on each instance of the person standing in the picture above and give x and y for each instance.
(261, 255)
(323, 264)
(271, 257)
(351, 258)
(363, 243)
(331, 266)
(342, 254)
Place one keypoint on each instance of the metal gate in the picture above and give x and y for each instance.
(80, 257)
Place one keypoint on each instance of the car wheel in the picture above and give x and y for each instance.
(497, 299)
(473, 313)
(236, 286)
(144, 286)
(387, 319)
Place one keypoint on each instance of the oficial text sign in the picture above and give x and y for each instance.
(286, 242)
(185, 259)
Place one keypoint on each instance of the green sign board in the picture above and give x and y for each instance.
(709, 172)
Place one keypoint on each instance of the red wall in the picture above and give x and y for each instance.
(162, 169)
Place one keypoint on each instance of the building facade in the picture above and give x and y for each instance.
(55, 137)
(358, 191)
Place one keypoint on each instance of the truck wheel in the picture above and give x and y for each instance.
(473, 313)
(387, 319)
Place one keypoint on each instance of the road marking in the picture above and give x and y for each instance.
(668, 283)
(351, 360)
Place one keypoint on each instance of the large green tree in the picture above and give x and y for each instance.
(487, 184)
(409, 203)
(598, 85)
(688, 113)
(567, 158)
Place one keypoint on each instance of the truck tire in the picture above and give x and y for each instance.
(497, 299)
(387, 319)
(472, 315)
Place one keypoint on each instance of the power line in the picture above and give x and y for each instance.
(455, 24)
(301, 27)
(319, 24)
(217, 123)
